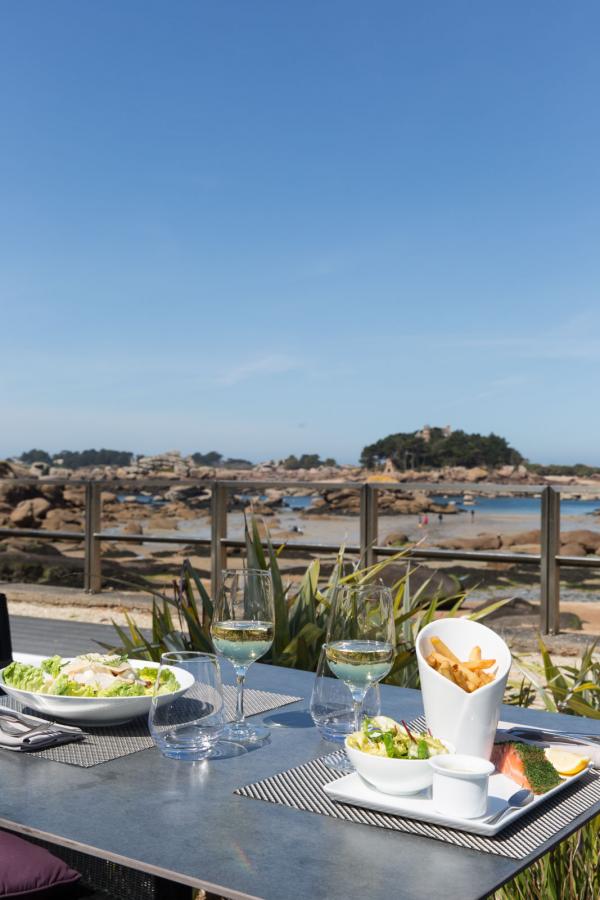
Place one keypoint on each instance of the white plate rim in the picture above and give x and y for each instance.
(181, 675)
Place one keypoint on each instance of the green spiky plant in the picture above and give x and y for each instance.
(181, 621)
(572, 690)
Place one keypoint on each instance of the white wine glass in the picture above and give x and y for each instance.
(361, 642)
(242, 630)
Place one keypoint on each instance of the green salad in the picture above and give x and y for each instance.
(381, 736)
(90, 675)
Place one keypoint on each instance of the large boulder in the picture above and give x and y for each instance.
(477, 473)
(39, 469)
(133, 528)
(180, 492)
(481, 542)
(588, 539)
(505, 471)
(53, 493)
(395, 539)
(521, 537)
(273, 497)
(60, 519)
(572, 549)
(74, 496)
(29, 513)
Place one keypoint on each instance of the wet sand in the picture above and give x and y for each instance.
(293, 526)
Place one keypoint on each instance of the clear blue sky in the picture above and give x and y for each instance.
(271, 227)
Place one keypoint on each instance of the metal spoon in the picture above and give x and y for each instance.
(519, 799)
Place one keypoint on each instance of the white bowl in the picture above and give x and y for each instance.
(96, 711)
(460, 785)
(391, 776)
(467, 721)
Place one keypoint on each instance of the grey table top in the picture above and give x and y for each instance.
(182, 820)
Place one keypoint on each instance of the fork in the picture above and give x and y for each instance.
(15, 731)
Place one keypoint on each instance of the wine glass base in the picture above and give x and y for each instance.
(245, 734)
(338, 762)
(219, 750)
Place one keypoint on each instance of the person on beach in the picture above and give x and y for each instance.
(425, 519)
(472, 514)
(440, 518)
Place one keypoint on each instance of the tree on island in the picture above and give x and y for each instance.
(233, 463)
(77, 459)
(307, 461)
(32, 456)
(432, 448)
(212, 458)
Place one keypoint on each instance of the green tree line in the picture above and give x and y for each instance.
(77, 459)
(409, 450)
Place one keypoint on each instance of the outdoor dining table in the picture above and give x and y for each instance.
(183, 822)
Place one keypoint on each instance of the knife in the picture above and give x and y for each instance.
(556, 737)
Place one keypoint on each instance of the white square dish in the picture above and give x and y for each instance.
(352, 790)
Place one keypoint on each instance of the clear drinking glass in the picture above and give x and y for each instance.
(361, 641)
(331, 703)
(189, 724)
(242, 630)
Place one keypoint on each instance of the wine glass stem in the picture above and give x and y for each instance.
(240, 678)
(357, 702)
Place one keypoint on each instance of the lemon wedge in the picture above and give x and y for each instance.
(566, 763)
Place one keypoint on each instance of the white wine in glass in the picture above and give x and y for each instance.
(360, 663)
(242, 642)
(361, 640)
(242, 630)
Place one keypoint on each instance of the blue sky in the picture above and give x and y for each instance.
(265, 227)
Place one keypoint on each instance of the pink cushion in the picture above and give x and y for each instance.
(27, 869)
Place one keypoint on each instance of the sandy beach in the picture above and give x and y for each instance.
(292, 525)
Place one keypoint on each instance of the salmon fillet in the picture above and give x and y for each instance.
(525, 764)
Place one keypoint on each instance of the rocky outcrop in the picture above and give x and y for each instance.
(346, 501)
(29, 513)
(395, 539)
(61, 519)
(572, 543)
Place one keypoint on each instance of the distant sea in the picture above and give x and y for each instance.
(520, 506)
(489, 506)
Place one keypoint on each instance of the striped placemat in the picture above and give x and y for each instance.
(302, 788)
(103, 744)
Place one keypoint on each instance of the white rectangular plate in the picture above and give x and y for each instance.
(353, 790)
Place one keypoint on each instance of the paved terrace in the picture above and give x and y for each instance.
(50, 636)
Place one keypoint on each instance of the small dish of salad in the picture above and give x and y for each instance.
(391, 757)
(382, 736)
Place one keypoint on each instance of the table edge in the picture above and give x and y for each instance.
(119, 859)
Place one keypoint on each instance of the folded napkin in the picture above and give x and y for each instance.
(585, 748)
(28, 733)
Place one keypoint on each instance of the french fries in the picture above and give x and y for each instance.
(468, 675)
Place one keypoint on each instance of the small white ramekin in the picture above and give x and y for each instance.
(460, 785)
